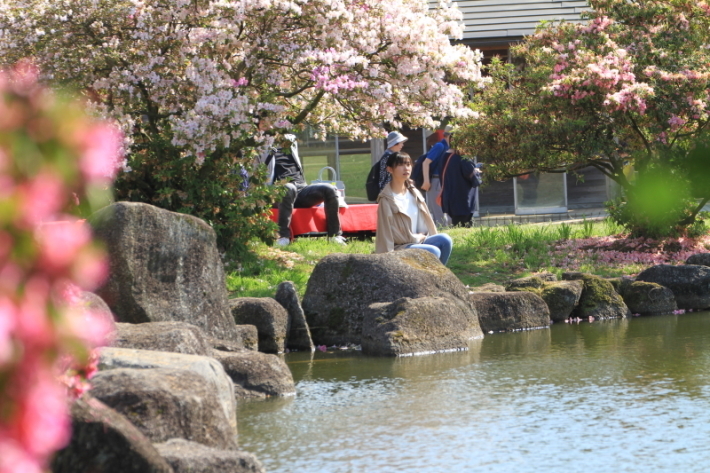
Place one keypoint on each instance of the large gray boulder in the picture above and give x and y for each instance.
(164, 266)
(342, 287)
(299, 335)
(268, 316)
(417, 326)
(210, 369)
(561, 298)
(690, 283)
(508, 311)
(176, 337)
(257, 375)
(103, 440)
(248, 339)
(191, 457)
(165, 403)
(600, 300)
(648, 298)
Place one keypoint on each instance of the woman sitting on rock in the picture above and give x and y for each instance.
(403, 219)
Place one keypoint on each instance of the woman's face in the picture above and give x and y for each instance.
(401, 171)
(398, 147)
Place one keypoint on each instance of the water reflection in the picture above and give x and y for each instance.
(621, 395)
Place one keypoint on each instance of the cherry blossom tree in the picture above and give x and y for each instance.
(627, 88)
(199, 86)
(54, 162)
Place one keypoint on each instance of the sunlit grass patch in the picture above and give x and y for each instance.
(483, 255)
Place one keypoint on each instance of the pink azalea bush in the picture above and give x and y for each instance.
(625, 92)
(54, 162)
(627, 255)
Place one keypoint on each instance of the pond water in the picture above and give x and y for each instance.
(616, 396)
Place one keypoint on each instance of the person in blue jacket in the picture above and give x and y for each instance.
(458, 195)
(432, 168)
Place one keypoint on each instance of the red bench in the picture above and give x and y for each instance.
(353, 219)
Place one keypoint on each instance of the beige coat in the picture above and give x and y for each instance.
(394, 227)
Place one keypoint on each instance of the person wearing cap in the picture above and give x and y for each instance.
(395, 143)
(432, 166)
(283, 164)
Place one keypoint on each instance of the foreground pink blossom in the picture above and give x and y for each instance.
(46, 260)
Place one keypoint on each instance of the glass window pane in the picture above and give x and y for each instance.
(540, 193)
(353, 172)
(316, 154)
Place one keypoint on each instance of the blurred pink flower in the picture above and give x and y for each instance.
(33, 326)
(101, 152)
(14, 459)
(90, 269)
(91, 326)
(60, 242)
(7, 325)
(41, 198)
(44, 415)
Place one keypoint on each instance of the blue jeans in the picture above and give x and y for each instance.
(440, 245)
(309, 196)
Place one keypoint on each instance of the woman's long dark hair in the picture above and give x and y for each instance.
(396, 159)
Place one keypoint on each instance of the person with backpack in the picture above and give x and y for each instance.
(378, 177)
(431, 168)
(283, 164)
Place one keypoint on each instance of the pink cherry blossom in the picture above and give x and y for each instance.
(325, 56)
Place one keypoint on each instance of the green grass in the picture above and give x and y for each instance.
(481, 255)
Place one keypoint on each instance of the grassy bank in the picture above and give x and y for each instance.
(481, 255)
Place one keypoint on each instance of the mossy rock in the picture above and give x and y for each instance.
(510, 311)
(489, 287)
(690, 283)
(621, 284)
(342, 287)
(532, 284)
(648, 298)
(561, 298)
(600, 300)
(416, 326)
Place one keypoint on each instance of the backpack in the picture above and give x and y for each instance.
(372, 185)
(417, 172)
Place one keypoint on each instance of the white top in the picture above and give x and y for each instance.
(409, 202)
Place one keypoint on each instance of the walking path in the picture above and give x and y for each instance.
(495, 220)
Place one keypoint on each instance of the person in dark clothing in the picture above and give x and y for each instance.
(458, 195)
(285, 165)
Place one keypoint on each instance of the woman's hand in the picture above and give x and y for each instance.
(420, 237)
